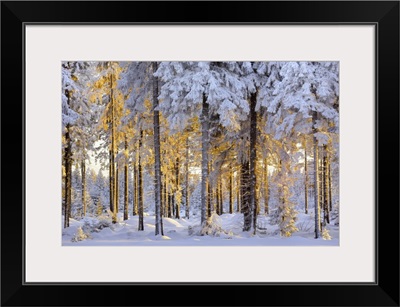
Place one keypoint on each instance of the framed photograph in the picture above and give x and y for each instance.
(233, 153)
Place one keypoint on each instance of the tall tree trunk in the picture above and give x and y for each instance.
(173, 202)
(110, 181)
(157, 165)
(167, 202)
(321, 180)
(330, 184)
(140, 187)
(204, 157)
(83, 176)
(67, 183)
(238, 190)
(253, 160)
(266, 188)
(217, 195)
(316, 185)
(117, 187)
(209, 194)
(170, 205)
(113, 177)
(322, 184)
(231, 191)
(177, 184)
(135, 185)
(305, 177)
(126, 183)
(70, 190)
(221, 200)
(162, 195)
(245, 192)
(187, 205)
(326, 185)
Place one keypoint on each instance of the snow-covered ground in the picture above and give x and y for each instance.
(227, 231)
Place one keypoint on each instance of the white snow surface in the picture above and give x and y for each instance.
(177, 232)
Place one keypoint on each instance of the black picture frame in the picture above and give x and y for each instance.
(384, 15)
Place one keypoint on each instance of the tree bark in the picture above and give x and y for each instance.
(305, 178)
(177, 184)
(326, 186)
(209, 195)
(316, 185)
(173, 201)
(245, 193)
(217, 199)
(321, 181)
(113, 187)
(231, 191)
(110, 181)
(187, 205)
(166, 197)
(135, 186)
(253, 160)
(117, 187)
(204, 157)
(67, 183)
(266, 188)
(170, 205)
(162, 195)
(330, 185)
(238, 190)
(140, 187)
(83, 177)
(157, 165)
(126, 181)
(221, 200)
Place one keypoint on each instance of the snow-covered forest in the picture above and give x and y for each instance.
(200, 153)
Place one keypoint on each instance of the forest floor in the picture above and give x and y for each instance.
(226, 230)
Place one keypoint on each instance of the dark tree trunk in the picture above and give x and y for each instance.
(135, 186)
(238, 190)
(221, 200)
(117, 187)
(157, 165)
(68, 175)
(253, 159)
(166, 199)
(187, 205)
(83, 176)
(231, 191)
(321, 180)
(110, 181)
(162, 195)
(266, 188)
(204, 157)
(166, 202)
(326, 186)
(245, 192)
(140, 187)
(330, 185)
(126, 182)
(173, 203)
(113, 187)
(217, 200)
(177, 184)
(305, 178)
(316, 185)
(209, 196)
(170, 205)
